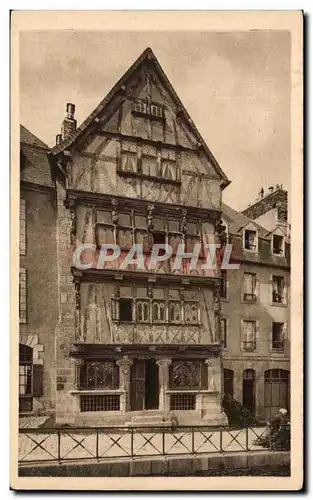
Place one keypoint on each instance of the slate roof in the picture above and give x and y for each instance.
(27, 138)
(236, 221)
(36, 152)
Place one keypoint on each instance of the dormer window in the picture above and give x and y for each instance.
(250, 240)
(278, 245)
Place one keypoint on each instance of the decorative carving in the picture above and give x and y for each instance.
(114, 203)
(211, 375)
(221, 233)
(150, 217)
(183, 222)
(150, 290)
(77, 308)
(72, 207)
(217, 311)
(117, 288)
(182, 293)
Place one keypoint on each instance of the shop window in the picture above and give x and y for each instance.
(99, 375)
(188, 375)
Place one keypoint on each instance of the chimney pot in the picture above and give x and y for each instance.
(70, 110)
(261, 193)
(58, 139)
(271, 189)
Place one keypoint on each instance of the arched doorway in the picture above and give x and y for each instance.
(229, 383)
(276, 391)
(248, 390)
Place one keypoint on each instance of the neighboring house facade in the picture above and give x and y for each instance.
(255, 306)
(137, 345)
(38, 299)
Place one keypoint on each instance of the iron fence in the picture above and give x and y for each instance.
(100, 443)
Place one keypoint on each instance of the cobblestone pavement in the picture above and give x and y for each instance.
(82, 444)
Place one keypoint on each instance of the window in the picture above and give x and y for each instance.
(156, 305)
(99, 375)
(156, 110)
(22, 296)
(142, 311)
(250, 240)
(158, 311)
(278, 289)
(249, 287)
(278, 336)
(30, 379)
(22, 228)
(188, 375)
(125, 309)
(174, 311)
(140, 106)
(249, 335)
(182, 402)
(223, 332)
(278, 245)
(25, 378)
(224, 284)
(105, 402)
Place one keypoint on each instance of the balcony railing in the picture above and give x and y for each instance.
(72, 444)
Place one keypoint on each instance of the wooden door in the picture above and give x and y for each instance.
(137, 385)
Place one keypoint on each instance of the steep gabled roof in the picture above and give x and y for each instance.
(146, 55)
(236, 221)
(26, 137)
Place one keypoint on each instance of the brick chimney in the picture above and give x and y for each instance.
(69, 124)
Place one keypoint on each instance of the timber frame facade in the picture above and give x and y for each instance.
(137, 346)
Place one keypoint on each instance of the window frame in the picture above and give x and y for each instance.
(94, 387)
(282, 253)
(253, 296)
(252, 250)
(280, 347)
(249, 345)
(283, 302)
(166, 301)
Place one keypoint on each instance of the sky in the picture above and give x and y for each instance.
(234, 85)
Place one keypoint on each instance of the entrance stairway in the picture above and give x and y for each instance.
(145, 418)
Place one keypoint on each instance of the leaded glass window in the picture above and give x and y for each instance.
(99, 375)
(142, 311)
(188, 375)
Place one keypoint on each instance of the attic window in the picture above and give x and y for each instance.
(156, 110)
(250, 240)
(142, 107)
(278, 245)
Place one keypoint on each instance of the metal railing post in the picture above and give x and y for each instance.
(97, 444)
(193, 440)
(132, 442)
(221, 440)
(163, 441)
(59, 445)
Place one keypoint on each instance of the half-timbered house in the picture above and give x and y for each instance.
(134, 344)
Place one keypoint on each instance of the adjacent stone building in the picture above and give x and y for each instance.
(38, 297)
(255, 306)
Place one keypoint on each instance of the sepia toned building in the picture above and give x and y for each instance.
(255, 305)
(137, 344)
(38, 285)
(113, 342)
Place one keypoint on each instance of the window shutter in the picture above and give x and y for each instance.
(37, 381)
(285, 293)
